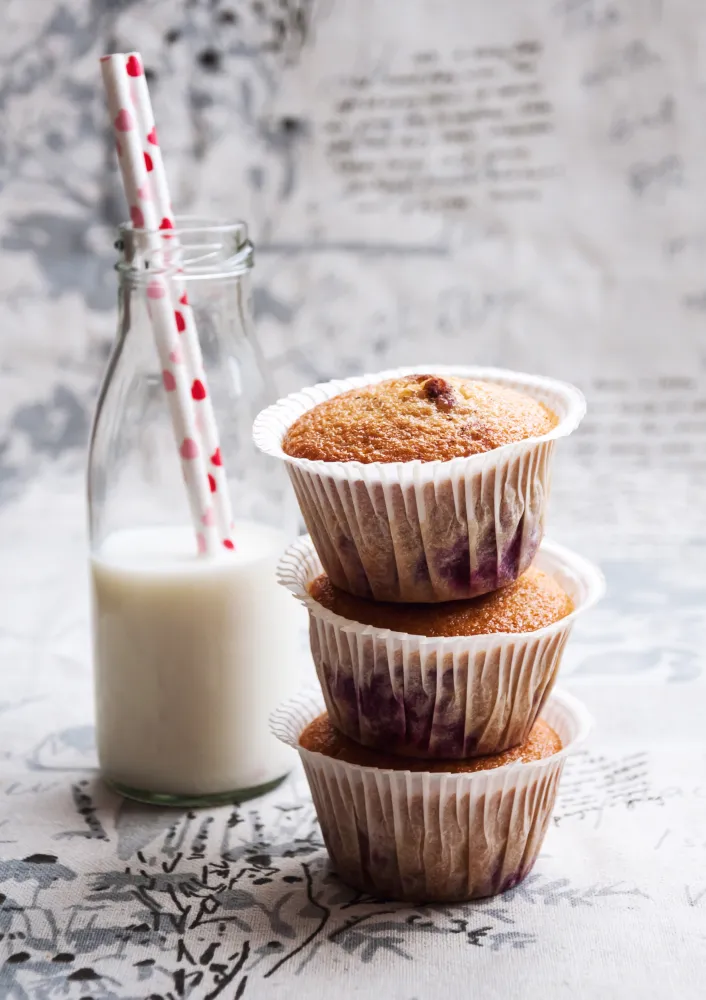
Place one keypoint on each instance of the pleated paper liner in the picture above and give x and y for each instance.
(449, 697)
(433, 837)
(426, 531)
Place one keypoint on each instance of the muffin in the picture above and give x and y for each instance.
(423, 486)
(432, 836)
(530, 603)
(407, 681)
(321, 736)
(416, 417)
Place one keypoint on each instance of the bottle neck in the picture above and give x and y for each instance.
(194, 249)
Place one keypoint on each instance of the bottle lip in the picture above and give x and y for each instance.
(194, 247)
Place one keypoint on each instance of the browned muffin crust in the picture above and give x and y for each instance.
(530, 603)
(321, 736)
(422, 417)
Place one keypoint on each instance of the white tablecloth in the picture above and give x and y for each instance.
(103, 897)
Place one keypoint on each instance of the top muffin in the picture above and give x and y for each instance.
(425, 417)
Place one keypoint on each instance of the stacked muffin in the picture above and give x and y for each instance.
(437, 622)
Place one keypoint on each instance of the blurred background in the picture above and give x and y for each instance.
(512, 184)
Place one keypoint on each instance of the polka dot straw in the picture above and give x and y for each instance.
(176, 337)
(182, 310)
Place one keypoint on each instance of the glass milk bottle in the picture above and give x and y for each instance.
(191, 653)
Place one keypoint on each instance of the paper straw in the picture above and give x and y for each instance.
(208, 497)
(164, 324)
(206, 417)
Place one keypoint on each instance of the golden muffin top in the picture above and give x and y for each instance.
(531, 602)
(424, 417)
(321, 736)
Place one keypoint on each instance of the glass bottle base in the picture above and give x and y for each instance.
(193, 801)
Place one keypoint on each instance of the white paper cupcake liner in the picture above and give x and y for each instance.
(450, 697)
(430, 837)
(425, 531)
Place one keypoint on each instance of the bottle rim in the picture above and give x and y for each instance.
(194, 247)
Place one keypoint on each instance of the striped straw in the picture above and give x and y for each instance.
(208, 496)
(206, 418)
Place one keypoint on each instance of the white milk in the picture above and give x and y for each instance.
(191, 656)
